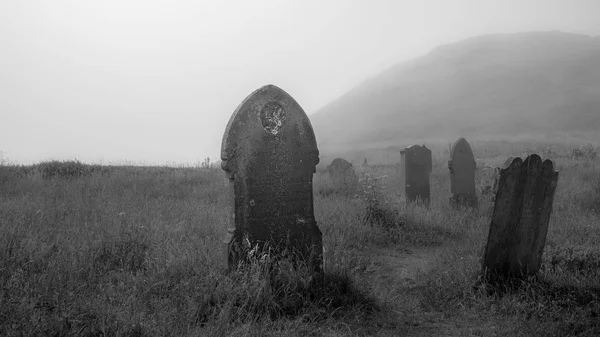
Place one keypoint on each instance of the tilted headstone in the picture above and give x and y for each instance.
(519, 224)
(462, 174)
(415, 168)
(342, 174)
(269, 153)
(507, 162)
(497, 171)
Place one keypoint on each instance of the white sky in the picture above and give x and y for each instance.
(155, 81)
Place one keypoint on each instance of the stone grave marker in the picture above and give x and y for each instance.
(339, 165)
(342, 174)
(415, 168)
(462, 174)
(269, 154)
(519, 224)
(497, 171)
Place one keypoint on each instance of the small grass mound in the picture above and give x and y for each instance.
(378, 205)
(70, 169)
(575, 260)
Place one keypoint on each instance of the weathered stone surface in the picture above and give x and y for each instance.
(415, 168)
(519, 225)
(497, 171)
(462, 174)
(507, 162)
(269, 153)
(342, 175)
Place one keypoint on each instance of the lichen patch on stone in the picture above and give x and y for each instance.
(272, 116)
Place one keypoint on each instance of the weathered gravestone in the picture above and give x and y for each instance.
(269, 153)
(462, 174)
(497, 171)
(342, 173)
(519, 224)
(507, 162)
(415, 168)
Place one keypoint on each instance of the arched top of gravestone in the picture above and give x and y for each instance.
(269, 114)
(461, 148)
(509, 161)
(531, 160)
(340, 164)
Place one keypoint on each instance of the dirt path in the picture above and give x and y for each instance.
(403, 265)
(395, 273)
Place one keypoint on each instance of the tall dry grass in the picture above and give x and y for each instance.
(136, 251)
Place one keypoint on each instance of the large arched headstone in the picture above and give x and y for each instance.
(462, 174)
(416, 165)
(269, 152)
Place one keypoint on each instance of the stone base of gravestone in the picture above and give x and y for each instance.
(241, 249)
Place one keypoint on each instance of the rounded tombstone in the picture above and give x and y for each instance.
(342, 176)
(462, 168)
(339, 165)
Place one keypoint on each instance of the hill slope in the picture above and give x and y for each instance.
(540, 84)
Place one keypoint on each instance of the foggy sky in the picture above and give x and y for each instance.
(155, 81)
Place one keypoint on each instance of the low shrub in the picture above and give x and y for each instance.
(71, 169)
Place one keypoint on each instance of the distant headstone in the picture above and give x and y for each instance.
(339, 165)
(415, 168)
(519, 224)
(342, 174)
(462, 174)
(269, 153)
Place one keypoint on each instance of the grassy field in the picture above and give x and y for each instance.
(136, 251)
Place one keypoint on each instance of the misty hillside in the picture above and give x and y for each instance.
(513, 85)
